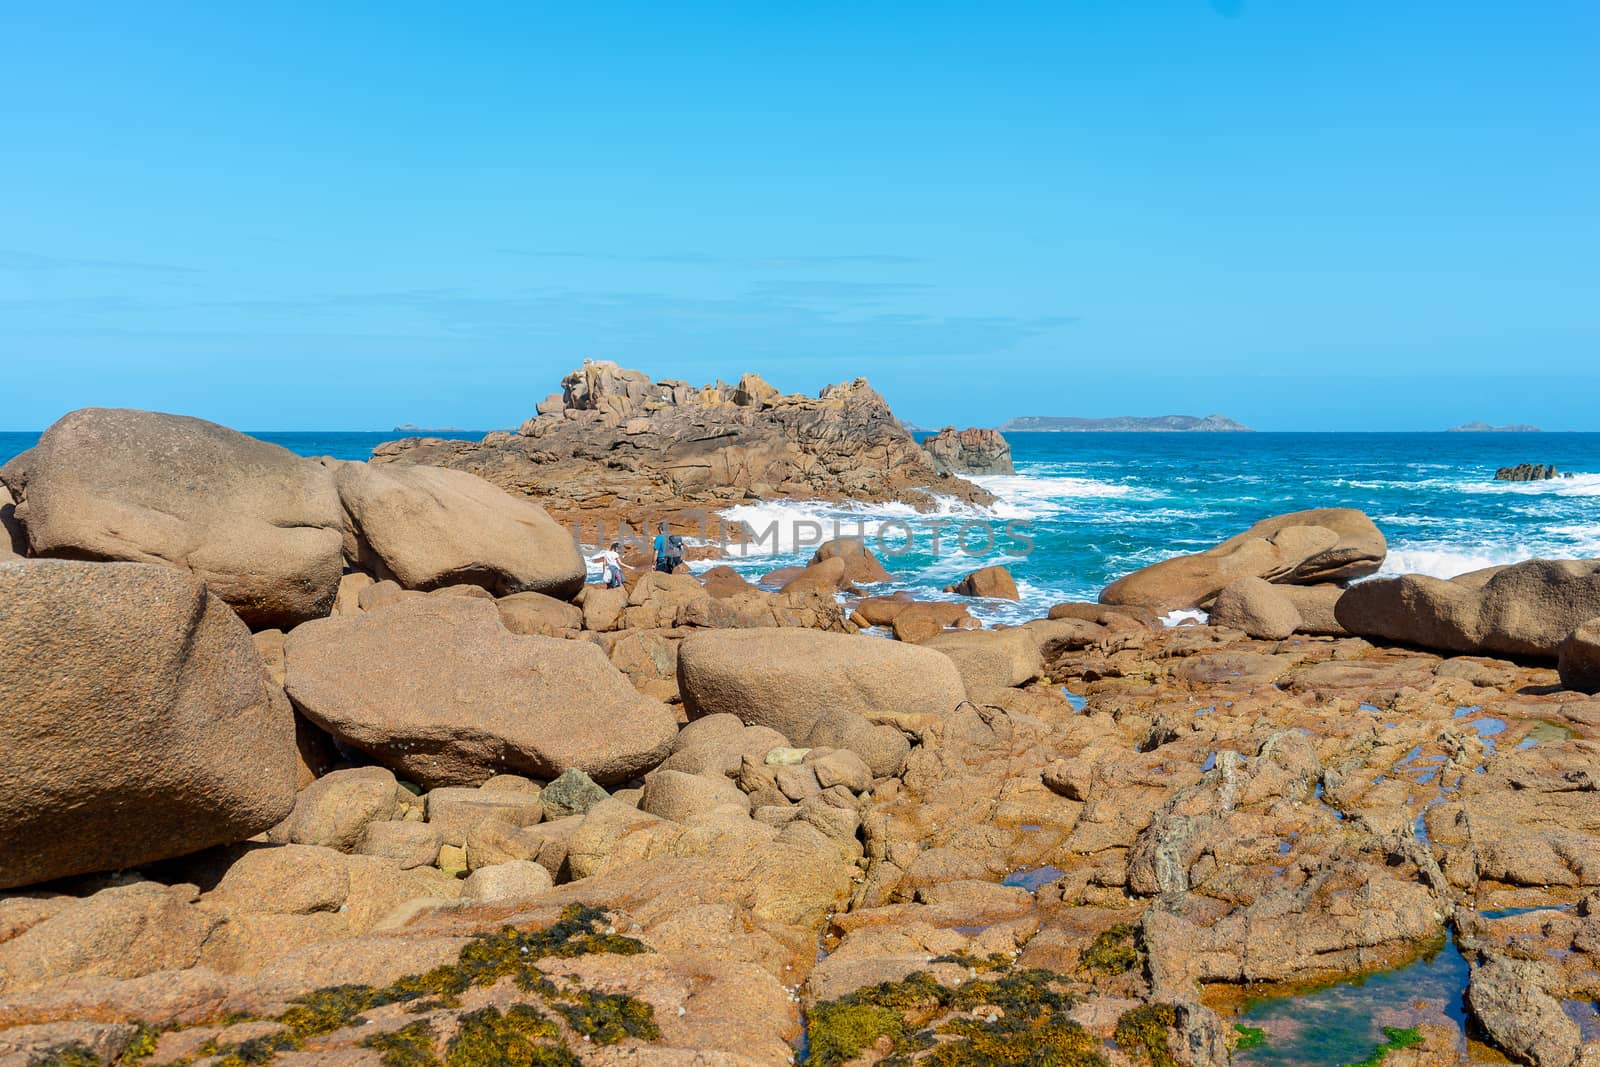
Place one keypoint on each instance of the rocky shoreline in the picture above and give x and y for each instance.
(342, 763)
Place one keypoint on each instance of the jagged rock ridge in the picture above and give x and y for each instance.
(613, 440)
(971, 451)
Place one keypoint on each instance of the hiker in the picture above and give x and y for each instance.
(669, 550)
(610, 565)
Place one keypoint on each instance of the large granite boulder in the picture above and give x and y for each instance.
(437, 689)
(138, 721)
(257, 523)
(428, 527)
(819, 689)
(1527, 609)
(860, 565)
(991, 659)
(971, 451)
(1300, 548)
(994, 582)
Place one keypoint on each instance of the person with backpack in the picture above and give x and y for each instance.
(668, 550)
(610, 565)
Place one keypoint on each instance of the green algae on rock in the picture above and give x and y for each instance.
(1249, 1036)
(488, 1037)
(484, 1037)
(409, 1046)
(1142, 1032)
(72, 1054)
(1395, 1039)
(1023, 1020)
(1115, 951)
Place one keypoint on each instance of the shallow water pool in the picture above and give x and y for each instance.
(1342, 1023)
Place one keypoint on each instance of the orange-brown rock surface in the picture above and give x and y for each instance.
(616, 446)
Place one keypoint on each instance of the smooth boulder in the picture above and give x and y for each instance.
(819, 689)
(428, 527)
(860, 565)
(991, 659)
(437, 689)
(994, 582)
(1527, 609)
(139, 723)
(1300, 548)
(257, 523)
(1256, 606)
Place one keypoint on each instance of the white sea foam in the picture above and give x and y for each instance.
(1443, 562)
(1577, 485)
(1031, 496)
(1179, 617)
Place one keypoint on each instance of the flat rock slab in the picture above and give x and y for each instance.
(819, 688)
(438, 690)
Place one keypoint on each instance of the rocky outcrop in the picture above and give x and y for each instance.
(1300, 548)
(1508, 999)
(427, 527)
(1528, 609)
(970, 451)
(820, 689)
(1528, 472)
(138, 721)
(614, 443)
(258, 524)
(437, 689)
(994, 582)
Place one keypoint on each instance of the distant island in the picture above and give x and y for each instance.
(1125, 424)
(407, 427)
(1484, 427)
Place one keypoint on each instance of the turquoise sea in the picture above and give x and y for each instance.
(1084, 509)
(1095, 506)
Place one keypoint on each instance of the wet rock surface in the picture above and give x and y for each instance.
(1528, 472)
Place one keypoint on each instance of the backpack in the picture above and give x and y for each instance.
(673, 548)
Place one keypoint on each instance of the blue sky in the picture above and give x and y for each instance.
(1353, 215)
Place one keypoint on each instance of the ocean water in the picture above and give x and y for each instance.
(1096, 506)
(1085, 509)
